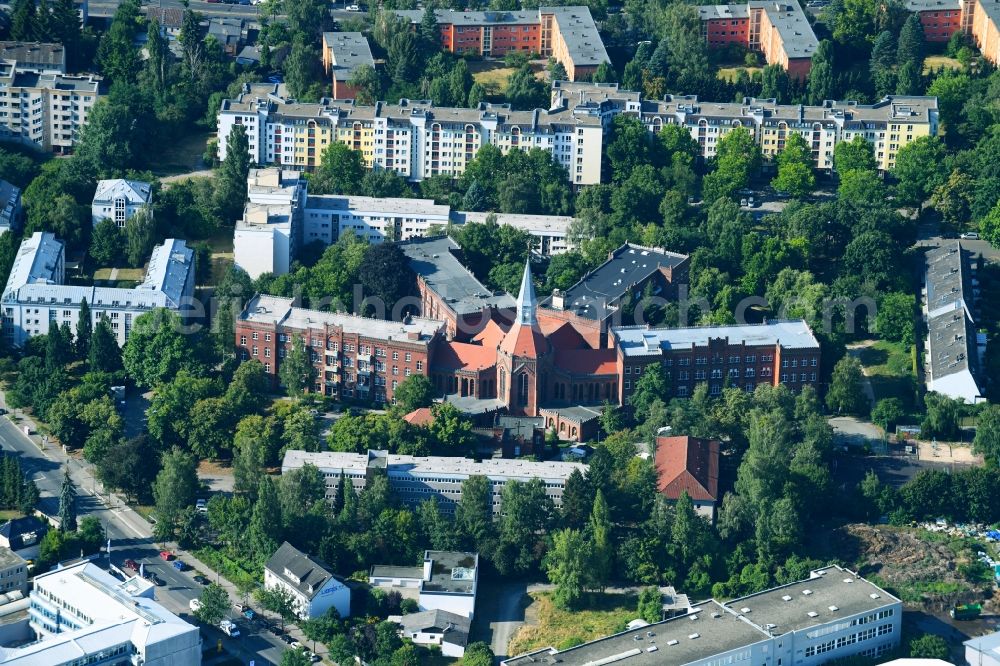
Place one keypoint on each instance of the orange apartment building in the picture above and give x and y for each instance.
(343, 54)
(777, 30)
(977, 18)
(568, 34)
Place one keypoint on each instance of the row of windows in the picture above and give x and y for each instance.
(843, 641)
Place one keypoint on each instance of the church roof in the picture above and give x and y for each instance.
(525, 338)
(587, 361)
(465, 356)
(491, 336)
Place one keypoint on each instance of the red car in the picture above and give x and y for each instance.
(132, 564)
(166, 555)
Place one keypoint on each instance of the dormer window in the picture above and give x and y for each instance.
(291, 576)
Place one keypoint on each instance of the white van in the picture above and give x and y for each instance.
(229, 628)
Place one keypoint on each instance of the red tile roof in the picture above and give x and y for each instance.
(420, 416)
(464, 356)
(688, 463)
(588, 361)
(526, 341)
(491, 336)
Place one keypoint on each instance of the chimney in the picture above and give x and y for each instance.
(558, 299)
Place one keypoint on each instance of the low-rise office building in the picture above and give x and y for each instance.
(953, 348)
(414, 479)
(567, 34)
(831, 615)
(37, 299)
(119, 199)
(268, 235)
(775, 352)
(44, 109)
(311, 584)
(778, 30)
(83, 615)
(344, 53)
(13, 572)
(446, 581)
(11, 210)
(414, 138)
(37, 56)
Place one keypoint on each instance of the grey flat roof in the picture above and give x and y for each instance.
(34, 54)
(456, 17)
(578, 413)
(348, 51)
(452, 572)
(577, 28)
(8, 558)
(797, 36)
(707, 631)
(390, 571)
(434, 260)
(594, 296)
(830, 593)
(947, 278)
(637, 341)
(951, 331)
(932, 5)
(949, 336)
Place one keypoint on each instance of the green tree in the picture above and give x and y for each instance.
(822, 81)
(895, 317)
(130, 466)
(297, 373)
(737, 158)
(567, 565)
(174, 489)
(386, 276)
(67, 504)
(987, 441)
(340, 171)
(140, 236)
(920, 169)
(929, 646)
(107, 243)
(232, 179)
(883, 62)
(887, 413)
(158, 348)
(602, 549)
(795, 168)
(854, 154)
(295, 657)
(526, 92)
(478, 654)
(23, 21)
(104, 355)
(775, 83)
(84, 330)
(652, 385)
(942, 416)
(605, 73)
(366, 81)
(650, 605)
(474, 511)
(214, 604)
(846, 393)
(909, 80)
(911, 42)
(415, 391)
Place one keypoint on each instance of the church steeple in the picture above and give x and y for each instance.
(526, 303)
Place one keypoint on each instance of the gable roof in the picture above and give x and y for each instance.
(310, 575)
(135, 191)
(15, 531)
(588, 361)
(491, 335)
(464, 356)
(454, 628)
(688, 463)
(420, 416)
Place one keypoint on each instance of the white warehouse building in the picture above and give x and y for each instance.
(83, 615)
(37, 298)
(833, 614)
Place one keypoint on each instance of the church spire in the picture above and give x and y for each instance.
(526, 302)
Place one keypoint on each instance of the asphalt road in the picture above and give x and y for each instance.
(131, 538)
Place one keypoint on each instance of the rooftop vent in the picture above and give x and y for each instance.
(875, 595)
(807, 592)
(672, 641)
(745, 609)
(833, 609)
(694, 636)
(786, 598)
(812, 613)
(848, 580)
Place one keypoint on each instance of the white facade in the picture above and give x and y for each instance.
(413, 138)
(414, 479)
(983, 651)
(447, 581)
(449, 631)
(83, 615)
(45, 110)
(119, 200)
(36, 298)
(314, 589)
(267, 237)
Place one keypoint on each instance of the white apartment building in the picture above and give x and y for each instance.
(44, 109)
(13, 572)
(37, 298)
(83, 615)
(329, 216)
(307, 580)
(119, 199)
(414, 479)
(413, 138)
(833, 614)
(888, 124)
(447, 581)
(267, 237)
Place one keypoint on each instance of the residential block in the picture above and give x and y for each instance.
(778, 30)
(414, 138)
(119, 199)
(567, 34)
(343, 54)
(37, 299)
(310, 583)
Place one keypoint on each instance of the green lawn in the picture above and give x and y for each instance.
(730, 73)
(934, 63)
(889, 367)
(182, 155)
(493, 74)
(606, 614)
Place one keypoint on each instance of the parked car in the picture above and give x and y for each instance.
(201, 579)
(249, 614)
(180, 566)
(166, 555)
(240, 607)
(353, 8)
(132, 564)
(201, 505)
(194, 605)
(229, 628)
(970, 235)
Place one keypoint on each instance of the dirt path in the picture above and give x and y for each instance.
(855, 351)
